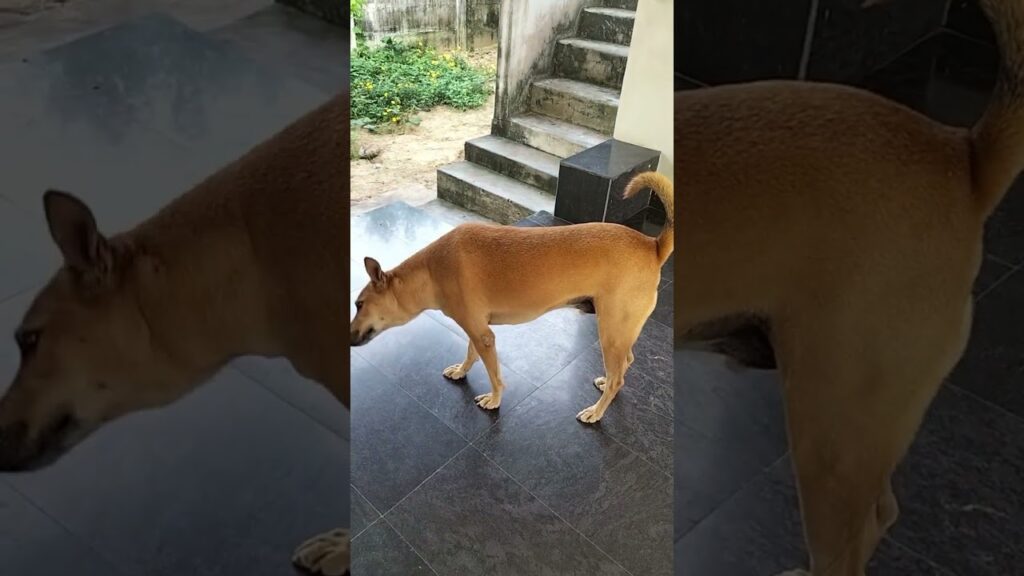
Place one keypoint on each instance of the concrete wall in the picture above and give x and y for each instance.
(646, 103)
(466, 24)
(526, 45)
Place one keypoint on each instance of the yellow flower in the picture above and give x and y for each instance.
(369, 86)
(394, 119)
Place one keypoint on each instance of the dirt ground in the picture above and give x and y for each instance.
(406, 168)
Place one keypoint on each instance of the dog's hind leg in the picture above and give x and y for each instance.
(854, 401)
(619, 326)
(459, 371)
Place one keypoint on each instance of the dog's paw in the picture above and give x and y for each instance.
(454, 372)
(488, 401)
(325, 555)
(795, 573)
(589, 415)
(600, 382)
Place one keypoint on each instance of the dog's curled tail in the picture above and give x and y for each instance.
(998, 138)
(662, 186)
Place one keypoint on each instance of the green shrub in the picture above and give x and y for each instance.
(356, 8)
(391, 82)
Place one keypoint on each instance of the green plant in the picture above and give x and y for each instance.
(357, 9)
(394, 80)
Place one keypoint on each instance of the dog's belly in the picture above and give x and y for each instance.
(583, 303)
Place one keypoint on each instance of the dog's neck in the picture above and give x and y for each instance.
(414, 289)
(202, 294)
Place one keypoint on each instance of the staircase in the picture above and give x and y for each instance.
(508, 178)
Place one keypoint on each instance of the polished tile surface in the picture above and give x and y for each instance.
(960, 487)
(231, 478)
(525, 489)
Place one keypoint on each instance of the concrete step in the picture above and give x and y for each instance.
(490, 194)
(527, 165)
(579, 103)
(450, 213)
(613, 25)
(601, 63)
(624, 4)
(552, 135)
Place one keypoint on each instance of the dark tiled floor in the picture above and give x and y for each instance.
(233, 477)
(443, 486)
(961, 487)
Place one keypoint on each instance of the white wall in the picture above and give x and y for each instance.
(646, 112)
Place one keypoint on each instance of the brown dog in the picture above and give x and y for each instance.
(248, 262)
(480, 275)
(846, 230)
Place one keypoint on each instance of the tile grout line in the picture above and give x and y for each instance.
(988, 403)
(1006, 275)
(407, 543)
(427, 479)
(365, 499)
(557, 515)
(78, 538)
(750, 481)
(287, 403)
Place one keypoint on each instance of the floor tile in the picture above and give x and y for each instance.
(306, 47)
(134, 115)
(961, 488)
(730, 426)
(33, 544)
(415, 356)
(992, 272)
(637, 418)
(278, 376)
(211, 484)
(380, 551)
(392, 233)
(993, 365)
(27, 255)
(497, 528)
(664, 310)
(592, 481)
(363, 513)
(396, 442)
(540, 349)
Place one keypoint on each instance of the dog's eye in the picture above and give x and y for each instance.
(359, 304)
(27, 341)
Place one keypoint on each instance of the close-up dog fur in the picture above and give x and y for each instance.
(249, 262)
(481, 275)
(841, 233)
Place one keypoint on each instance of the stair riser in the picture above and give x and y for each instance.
(475, 199)
(605, 28)
(566, 106)
(624, 4)
(510, 167)
(588, 65)
(541, 140)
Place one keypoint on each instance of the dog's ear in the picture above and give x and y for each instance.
(374, 270)
(74, 230)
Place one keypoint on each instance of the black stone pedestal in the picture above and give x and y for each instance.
(591, 183)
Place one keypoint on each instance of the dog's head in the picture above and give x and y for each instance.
(378, 307)
(86, 352)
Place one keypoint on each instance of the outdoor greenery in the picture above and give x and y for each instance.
(356, 7)
(393, 81)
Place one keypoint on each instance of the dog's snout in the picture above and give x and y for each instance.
(360, 338)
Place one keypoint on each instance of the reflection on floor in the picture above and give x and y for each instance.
(962, 486)
(229, 480)
(442, 487)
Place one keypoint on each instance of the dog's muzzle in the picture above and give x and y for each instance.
(357, 339)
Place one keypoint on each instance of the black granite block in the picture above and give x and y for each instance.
(722, 41)
(851, 40)
(591, 183)
(380, 551)
(967, 17)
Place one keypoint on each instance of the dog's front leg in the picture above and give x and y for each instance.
(325, 555)
(459, 371)
(482, 340)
